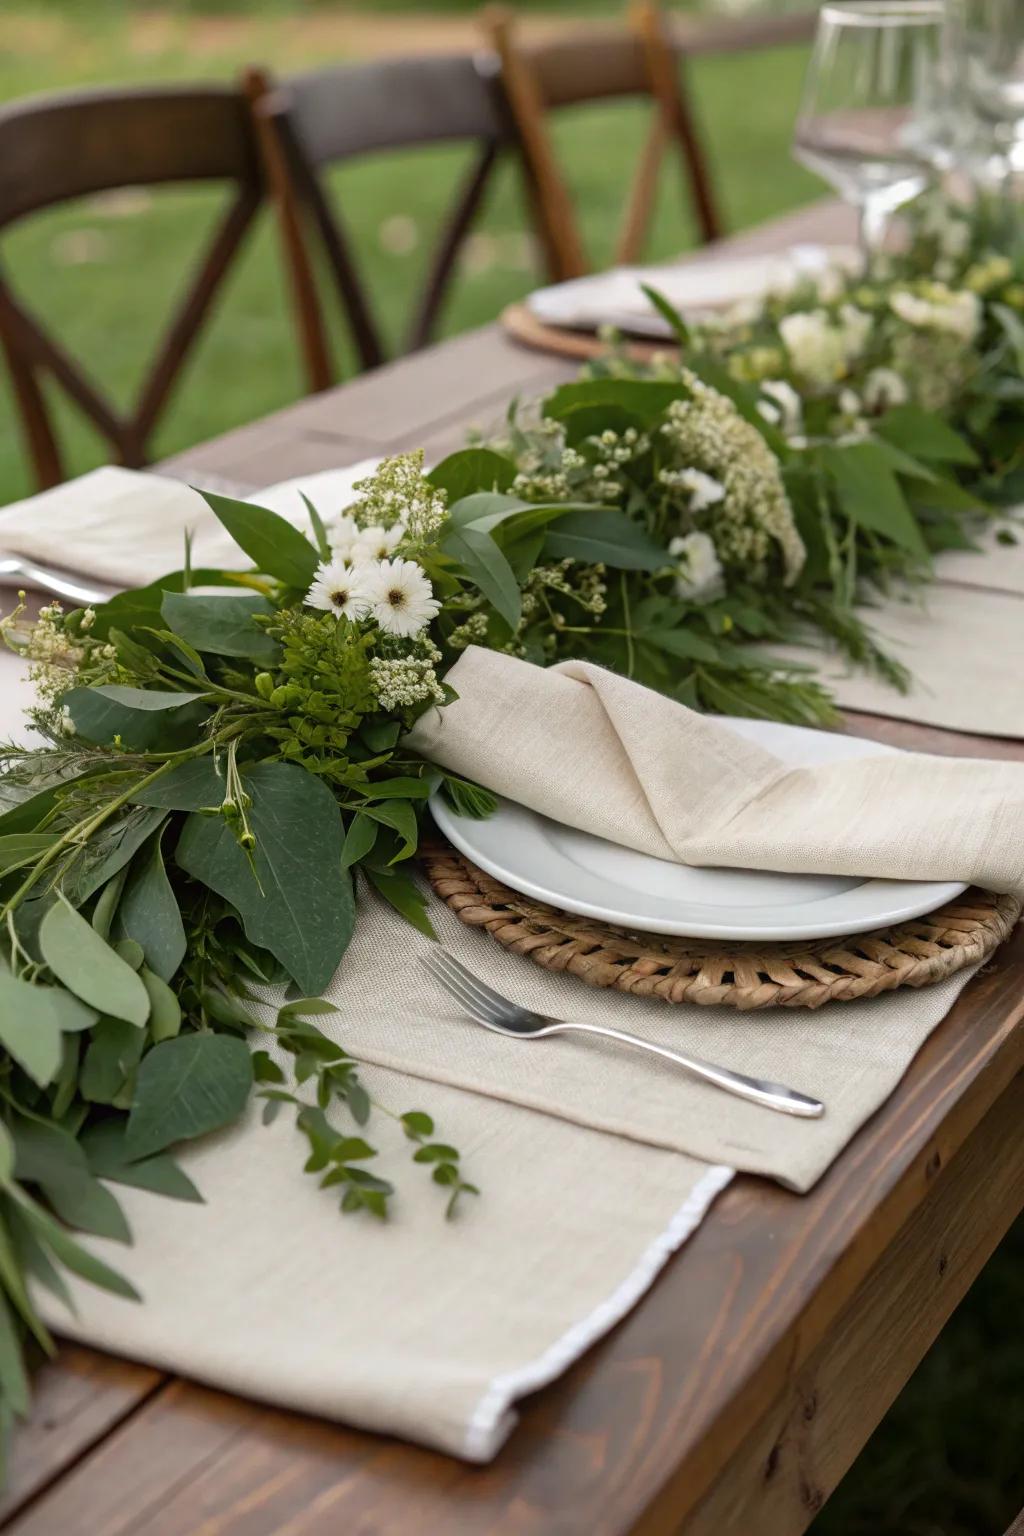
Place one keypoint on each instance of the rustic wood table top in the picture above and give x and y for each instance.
(734, 1397)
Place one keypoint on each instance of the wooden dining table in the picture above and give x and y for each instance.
(734, 1397)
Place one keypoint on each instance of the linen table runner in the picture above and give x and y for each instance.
(594, 1166)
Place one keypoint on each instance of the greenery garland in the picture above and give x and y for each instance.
(213, 775)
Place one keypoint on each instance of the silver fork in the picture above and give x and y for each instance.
(49, 580)
(489, 1008)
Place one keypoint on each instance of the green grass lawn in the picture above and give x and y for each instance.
(947, 1461)
(105, 271)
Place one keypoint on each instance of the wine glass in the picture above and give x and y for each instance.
(988, 40)
(873, 107)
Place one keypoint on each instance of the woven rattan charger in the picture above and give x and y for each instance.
(802, 974)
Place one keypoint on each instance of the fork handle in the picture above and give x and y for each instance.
(787, 1101)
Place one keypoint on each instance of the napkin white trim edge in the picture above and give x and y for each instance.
(493, 1418)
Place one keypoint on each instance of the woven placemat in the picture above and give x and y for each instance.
(733, 975)
(519, 322)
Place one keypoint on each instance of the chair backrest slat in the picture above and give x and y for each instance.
(355, 109)
(71, 145)
(54, 149)
(310, 122)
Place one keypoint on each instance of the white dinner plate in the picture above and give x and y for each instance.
(585, 874)
(616, 297)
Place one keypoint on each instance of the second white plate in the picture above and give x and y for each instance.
(585, 874)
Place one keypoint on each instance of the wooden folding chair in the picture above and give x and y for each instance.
(312, 121)
(56, 148)
(645, 60)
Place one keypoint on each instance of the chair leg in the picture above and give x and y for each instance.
(669, 90)
(268, 117)
(35, 420)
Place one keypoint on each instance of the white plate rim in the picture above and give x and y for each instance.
(897, 900)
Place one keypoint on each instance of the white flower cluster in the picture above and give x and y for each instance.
(403, 682)
(822, 348)
(699, 574)
(935, 307)
(52, 654)
(397, 493)
(706, 432)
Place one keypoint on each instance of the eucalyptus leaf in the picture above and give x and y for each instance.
(299, 902)
(103, 1145)
(88, 967)
(48, 1156)
(359, 840)
(73, 1256)
(402, 892)
(185, 1088)
(29, 1027)
(149, 913)
(109, 851)
(272, 544)
(870, 494)
(165, 1010)
(472, 469)
(222, 624)
(142, 719)
(18, 848)
(189, 786)
(112, 1055)
(606, 536)
(487, 568)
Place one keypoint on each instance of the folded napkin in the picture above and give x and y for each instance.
(126, 527)
(617, 298)
(598, 752)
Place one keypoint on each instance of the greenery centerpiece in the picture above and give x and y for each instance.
(214, 774)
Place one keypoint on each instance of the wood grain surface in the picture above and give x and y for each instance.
(734, 1397)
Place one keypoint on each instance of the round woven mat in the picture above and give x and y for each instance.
(519, 322)
(734, 975)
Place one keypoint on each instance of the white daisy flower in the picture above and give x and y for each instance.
(342, 535)
(399, 596)
(338, 588)
(375, 543)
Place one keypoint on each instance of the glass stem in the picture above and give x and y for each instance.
(874, 222)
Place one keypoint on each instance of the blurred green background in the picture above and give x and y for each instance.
(948, 1459)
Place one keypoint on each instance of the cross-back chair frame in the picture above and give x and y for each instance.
(539, 78)
(57, 148)
(294, 156)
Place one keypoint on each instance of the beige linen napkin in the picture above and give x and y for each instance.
(598, 752)
(126, 527)
(617, 298)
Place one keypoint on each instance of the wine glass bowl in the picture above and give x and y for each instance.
(873, 108)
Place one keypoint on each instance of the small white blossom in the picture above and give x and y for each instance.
(816, 348)
(699, 575)
(376, 543)
(399, 596)
(704, 489)
(884, 388)
(938, 308)
(783, 408)
(338, 588)
(342, 535)
(855, 327)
